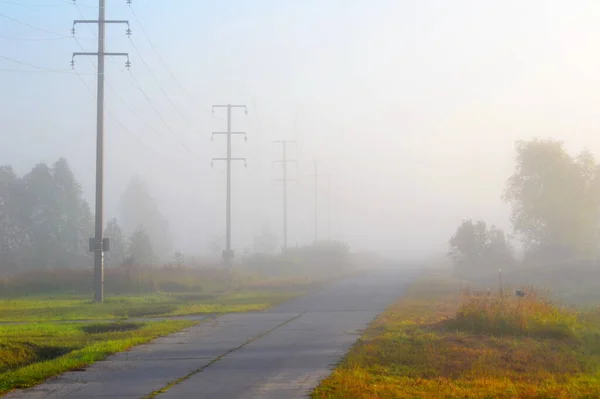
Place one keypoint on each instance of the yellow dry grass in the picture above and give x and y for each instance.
(438, 343)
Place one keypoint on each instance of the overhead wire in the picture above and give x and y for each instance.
(139, 87)
(16, 3)
(122, 125)
(63, 3)
(31, 39)
(40, 69)
(37, 67)
(157, 112)
(162, 60)
(158, 84)
(17, 21)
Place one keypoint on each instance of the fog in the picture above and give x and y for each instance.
(412, 108)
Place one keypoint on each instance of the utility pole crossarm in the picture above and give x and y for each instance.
(230, 159)
(106, 53)
(229, 106)
(95, 21)
(127, 63)
(102, 22)
(229, 134)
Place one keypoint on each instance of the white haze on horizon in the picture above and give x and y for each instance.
(412, 107)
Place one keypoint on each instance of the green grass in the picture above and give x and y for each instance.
(65, 308)
(436, 343)
(32, 352)
(29, 354)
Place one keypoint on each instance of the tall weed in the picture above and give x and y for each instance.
(501, 314)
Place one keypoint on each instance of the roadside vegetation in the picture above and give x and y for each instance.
(138, 306)
(49, 324)
(31, 353)
(46, 341)
(441, 341)
(499, 323)
(172, 290)
(65, 295)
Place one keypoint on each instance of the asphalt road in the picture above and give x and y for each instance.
(280, 353)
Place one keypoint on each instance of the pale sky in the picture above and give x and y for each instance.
(412, 107)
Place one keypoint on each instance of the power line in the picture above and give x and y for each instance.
(40, 68)
(149, 100)
(64, 3)
(181, 86)
(133, 111)
(138, 86)
(31, 39)
(129, 131)
(158, 84)
(33, 26)
(83, 17)
(15, 3)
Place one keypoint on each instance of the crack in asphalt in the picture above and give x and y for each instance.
(220, 357)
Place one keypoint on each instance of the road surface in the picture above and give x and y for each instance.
(280, 353)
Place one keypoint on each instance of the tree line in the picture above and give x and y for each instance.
(46, 223)
(554, 201)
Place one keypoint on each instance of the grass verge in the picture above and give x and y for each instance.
(65, 308)
(436, 343)
(30, 354)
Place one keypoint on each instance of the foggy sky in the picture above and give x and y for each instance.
(412, 107)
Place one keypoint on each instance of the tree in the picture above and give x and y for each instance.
(14, 237)
(555, 200)
(139, 208)
(140, 248)
(499, 251)
(474, 247)
(468, 244)
(118, 249)
(43, 217)
(44, 220)
(74, 217)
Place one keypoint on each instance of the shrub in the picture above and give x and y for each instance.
(532, 315)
